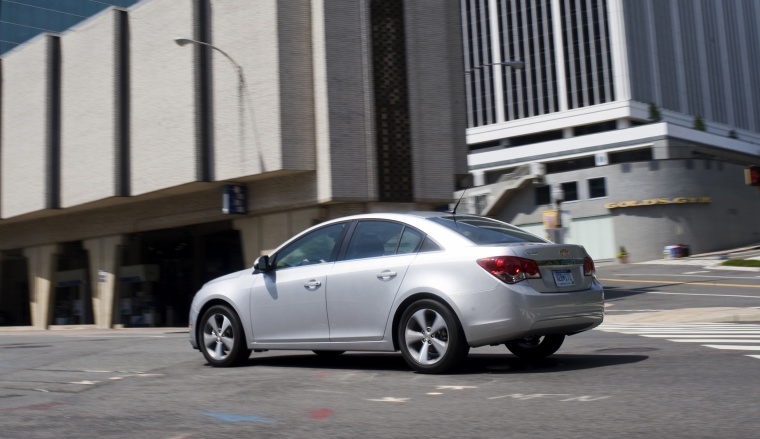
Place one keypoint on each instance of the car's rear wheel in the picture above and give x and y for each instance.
(328, 353)
(430, 337)
(222, 338)
(538, 347)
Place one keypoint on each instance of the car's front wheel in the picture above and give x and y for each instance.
(222, 338)
(430, 337)
(535, 348)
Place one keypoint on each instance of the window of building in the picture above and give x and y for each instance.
(543, 195)
(597, 187)
(582, 130)
(570, 190)
(632, 155)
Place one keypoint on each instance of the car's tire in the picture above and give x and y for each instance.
(535, 348)
(328, 353)
(222, 339)
(430, 337)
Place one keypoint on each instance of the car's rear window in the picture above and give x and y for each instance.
(485, 231)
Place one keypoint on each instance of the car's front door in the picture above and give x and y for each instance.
(289, 304)
(363, 286)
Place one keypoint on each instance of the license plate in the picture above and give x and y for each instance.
(563, 278)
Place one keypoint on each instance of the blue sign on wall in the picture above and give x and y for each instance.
(235, 199)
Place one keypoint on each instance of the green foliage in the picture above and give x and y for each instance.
(654, 113)
(699, 123)
(742, 263)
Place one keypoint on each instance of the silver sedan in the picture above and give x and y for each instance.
(432, 285)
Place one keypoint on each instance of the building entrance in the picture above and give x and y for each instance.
(162, 270)
(14, 290)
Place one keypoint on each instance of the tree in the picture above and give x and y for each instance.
(654, 113)
(699, 123)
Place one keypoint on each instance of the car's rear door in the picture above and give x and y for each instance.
(363, 285)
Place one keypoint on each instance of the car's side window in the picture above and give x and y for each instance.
(410, 241)
(374, 238)
(315, 248)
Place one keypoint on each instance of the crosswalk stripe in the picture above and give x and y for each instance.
(711, 340)
(724, 336)
(733, 347)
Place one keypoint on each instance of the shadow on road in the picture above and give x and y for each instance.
(474, 364)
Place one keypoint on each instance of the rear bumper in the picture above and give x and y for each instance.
(514, 312)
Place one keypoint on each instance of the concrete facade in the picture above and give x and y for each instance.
(116, 143)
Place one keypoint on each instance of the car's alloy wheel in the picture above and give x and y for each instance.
(430, 337)
(222, 338)
(534, 348)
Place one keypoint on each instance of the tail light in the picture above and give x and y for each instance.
(588, 266)
(510, 269)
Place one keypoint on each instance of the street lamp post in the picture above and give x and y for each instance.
(518, 65)
(183, 41)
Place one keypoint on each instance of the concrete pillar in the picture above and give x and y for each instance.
(249, 235)
(104, 262)
(623, 124)
(42, 266)
(568, 133)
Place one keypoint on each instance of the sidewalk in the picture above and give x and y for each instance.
(688, 315)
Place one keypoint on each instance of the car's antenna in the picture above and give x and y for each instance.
(454, 210)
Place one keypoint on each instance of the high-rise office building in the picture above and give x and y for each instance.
(639, 116)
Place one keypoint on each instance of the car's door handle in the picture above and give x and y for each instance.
(387, 275)
(312, 284)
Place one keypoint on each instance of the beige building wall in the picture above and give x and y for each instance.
(263, 115)
(163, 96)
(436, 97)
(23, 155)
(343, 100)
(88, 150)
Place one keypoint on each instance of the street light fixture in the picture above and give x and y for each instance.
(182, 41)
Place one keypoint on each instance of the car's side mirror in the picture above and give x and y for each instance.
(262, 264)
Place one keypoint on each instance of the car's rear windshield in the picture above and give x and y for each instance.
(485, 231)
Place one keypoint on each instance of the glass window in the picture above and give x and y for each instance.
(570, 190)
(374, 238)
(428, 245)
(315, 248)
(597, 187)
(410, 241)
(543, 195)
(484, 231)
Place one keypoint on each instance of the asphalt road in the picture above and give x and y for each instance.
(678, 284)
(621, 381)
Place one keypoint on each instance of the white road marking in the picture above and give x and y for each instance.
(711, 340)
(390, 399)
(733, 347)
(699, 294)
(696, 272)
(454, 387)
(725, 336)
